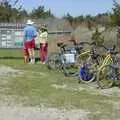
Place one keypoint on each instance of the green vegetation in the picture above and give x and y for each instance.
(14, 53)
(115, 17)
(10, 11)
(96, 37)
(36, 86)
(11, 53)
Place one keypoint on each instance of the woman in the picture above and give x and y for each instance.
(43, 40)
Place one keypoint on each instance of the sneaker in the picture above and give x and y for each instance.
(43, 62)
(31, 62)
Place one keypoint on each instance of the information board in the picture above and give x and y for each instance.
(11, 38)
(11, 35)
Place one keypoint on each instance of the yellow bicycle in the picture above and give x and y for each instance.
(109, 70)
(89, 70)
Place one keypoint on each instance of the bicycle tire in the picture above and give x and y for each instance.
(70, 70)
(106, 77)
(53, 61)
(86, 75)
(88, 69)
(91, 68)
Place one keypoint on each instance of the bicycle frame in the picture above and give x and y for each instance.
(94, 65)
(107, 60)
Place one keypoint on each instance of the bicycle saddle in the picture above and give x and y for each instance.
(61, 44)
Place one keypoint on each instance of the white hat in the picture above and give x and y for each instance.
(30, 22)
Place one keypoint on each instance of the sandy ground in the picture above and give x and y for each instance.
(92, 89)
(29, 113)
(6, 71)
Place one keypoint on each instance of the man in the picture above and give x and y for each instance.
(29, 40)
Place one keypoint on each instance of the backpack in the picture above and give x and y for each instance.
(85, 74)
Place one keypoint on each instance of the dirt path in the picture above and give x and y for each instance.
(8, 71)
(29, 113)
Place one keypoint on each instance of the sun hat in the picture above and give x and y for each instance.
(29, 22)
(44, 27)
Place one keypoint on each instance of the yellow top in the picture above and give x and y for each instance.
(42, 37)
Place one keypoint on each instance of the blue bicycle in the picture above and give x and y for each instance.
(65, 60)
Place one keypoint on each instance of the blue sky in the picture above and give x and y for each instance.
(74, 7)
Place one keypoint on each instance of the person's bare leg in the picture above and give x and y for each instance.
(33, 55)
(26, 59)
(30, 55)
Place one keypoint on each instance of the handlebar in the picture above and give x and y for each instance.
(61, 45)
(111, 50)
(87, 43)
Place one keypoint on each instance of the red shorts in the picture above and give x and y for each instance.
(25, 52)
(29, 44)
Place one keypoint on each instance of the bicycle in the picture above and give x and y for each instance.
(72, 68)
(83, 55)
(109, 72)
(88, 68)
(65, 60)
(55, 59)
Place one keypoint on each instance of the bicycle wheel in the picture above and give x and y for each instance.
(53, 61)
(70, 70)
(89, 68)
(86, 74)
(106, 76)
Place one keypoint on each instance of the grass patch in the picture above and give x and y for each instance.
(35, 87)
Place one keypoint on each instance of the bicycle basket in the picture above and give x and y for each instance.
(68, 58)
